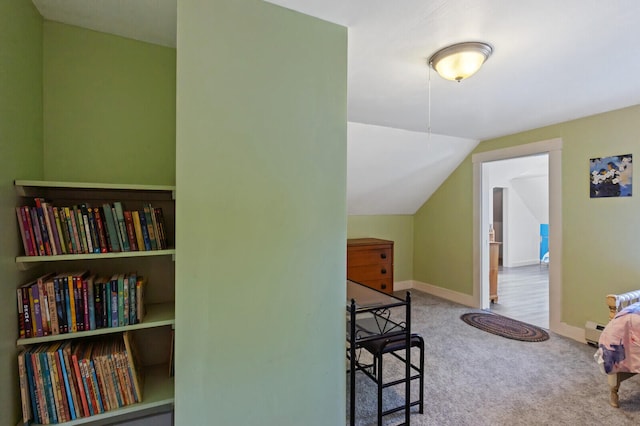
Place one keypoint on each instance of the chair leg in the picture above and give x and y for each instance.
(421, 380)
(380, 383)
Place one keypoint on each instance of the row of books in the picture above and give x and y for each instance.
(79, 301)
(68, 380)
(48, 230)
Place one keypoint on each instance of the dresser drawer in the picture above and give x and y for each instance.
(362, 257)
(369, 272)
(382, 284)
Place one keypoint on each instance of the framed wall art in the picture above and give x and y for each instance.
(611, 176)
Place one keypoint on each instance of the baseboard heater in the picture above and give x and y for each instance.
(592, 332)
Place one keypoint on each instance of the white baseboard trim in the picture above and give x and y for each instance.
(523, 263)
(402, 285)
(453, 296)
(563, 329)
(566, 330)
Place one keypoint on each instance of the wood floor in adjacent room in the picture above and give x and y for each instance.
(523, 294)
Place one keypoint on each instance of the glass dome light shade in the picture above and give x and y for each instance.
(460, 61)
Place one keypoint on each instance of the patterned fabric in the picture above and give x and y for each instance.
(619, 345)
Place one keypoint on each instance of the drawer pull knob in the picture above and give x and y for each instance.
(383, 271)
(383, 255)
(383, 286)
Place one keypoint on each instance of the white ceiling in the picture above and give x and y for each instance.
(152, 21)
(553, 61)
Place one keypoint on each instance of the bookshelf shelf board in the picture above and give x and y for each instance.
(23, 260)
(89, 190)
(158, 315)
(157, 393)
(22, 184)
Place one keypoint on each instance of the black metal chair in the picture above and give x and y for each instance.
(378, 348)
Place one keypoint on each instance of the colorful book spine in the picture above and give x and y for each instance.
(77, 297)
(122, 228)
(133, 316)
(23, 231)
(61, 304)
(37, 309)
(65, 381)
(72, 218)
(69, 302)
(95, 386)
(88, 284)
(81, 230)
(102, 236)
(44, 303)
(156, 230)
(103, 385)
(48, 385)
(112, 231)
(53, 306)
(131, 232)
(51, 228)
(43, 413)
(31, 249)
(84, 370)
(70, 383)
(140, 289)
(23, 293)
(85, 304)
(161, 227)
(21, 330)
(138, 228)
(93, 227)
(86, 230)
(35, 225)
(25, 395)
(98, 304)
(121, 301)
(76, 357)
(63, 238)
(106, 301)
(81, 308)
(43, 227)
(149, 221)
(56, 388)
(145, 232)
(66, 402)
(114, 301)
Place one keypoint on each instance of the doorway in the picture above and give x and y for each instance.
(482, 219)
(518, 194)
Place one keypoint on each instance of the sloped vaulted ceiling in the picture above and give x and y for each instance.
(553, 61)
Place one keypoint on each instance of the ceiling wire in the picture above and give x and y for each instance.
(429, 101)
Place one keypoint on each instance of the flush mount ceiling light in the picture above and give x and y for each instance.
(460, 61)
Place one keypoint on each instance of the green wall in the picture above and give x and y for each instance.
(600, 236)
(397, 228)
(261, 216)
(442, 234)
(20, 157)
(109, 108)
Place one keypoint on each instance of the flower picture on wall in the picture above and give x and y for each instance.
(611, 176)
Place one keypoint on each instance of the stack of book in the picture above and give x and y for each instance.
(48, 230)
(79, 301)
(64, 381)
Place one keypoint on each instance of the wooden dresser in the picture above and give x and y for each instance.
(370, 262)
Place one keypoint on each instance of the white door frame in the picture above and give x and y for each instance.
(481, 225)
